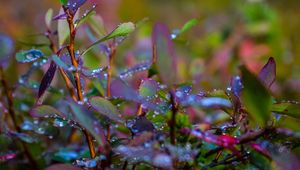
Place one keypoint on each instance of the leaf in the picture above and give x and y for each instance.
(122, 30)
(48, 17)
(188, 25)
(85, 16)
(286, 108)
(88, 122)
(236, 85)
(136, 68)
(119, 89)
(64, 2)
(63, 29)
(288, 122)
(60, 63)
(268, 73)
(6, 48)
(47, 79)
(62, 166)
(75, 4)
(140, 124)
(255, 97)
(28, 56)
(148, 88)
(166, 58)
(45, 111)
(106, 108)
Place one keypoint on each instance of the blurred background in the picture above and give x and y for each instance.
(229, 33)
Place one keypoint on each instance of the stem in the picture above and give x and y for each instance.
(9, 97)
(62, 72)
(172, 123)
(109, 71)
(71, 50)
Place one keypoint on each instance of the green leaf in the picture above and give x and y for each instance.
(48, 17)
(290, 109)
(45, 111)
(188, 25)
(122, 30)
(106, 108)
(28, 56)
(64, 2)
(288, 122)
(63, 29)
(88, 122)
(148, 88)
(85, 16)
(255, 97)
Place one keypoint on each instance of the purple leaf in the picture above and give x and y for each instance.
(6, 48)
(47, 79)
(60, 16)
(75, 4)
(236, 85)
(140, 124)
(62, 167)
(165, 52)
(268, 73)
(137, 68)
(119, 89)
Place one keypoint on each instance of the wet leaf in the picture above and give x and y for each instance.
(166, 58)
(93, 73)
(6, 48)
(148, 88)
(121, 31)
(48, 17)
(236, 85)
(163, 160)
(207, 102)
(62, 167)
(135, 154)
(60, 63)
(255, 97)
(85, 16)
(140, 124)
(88, 122)
(47, 79)
(119, 89)
(137, 68)
(268, 73)
(106, 108)
(28, 56)
(45, 111)
(74, 4)
(286, 108)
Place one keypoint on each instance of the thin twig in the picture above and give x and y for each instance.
(62, 72)
(71, 50)
(109, 70)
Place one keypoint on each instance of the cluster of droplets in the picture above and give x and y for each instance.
(137, 68)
